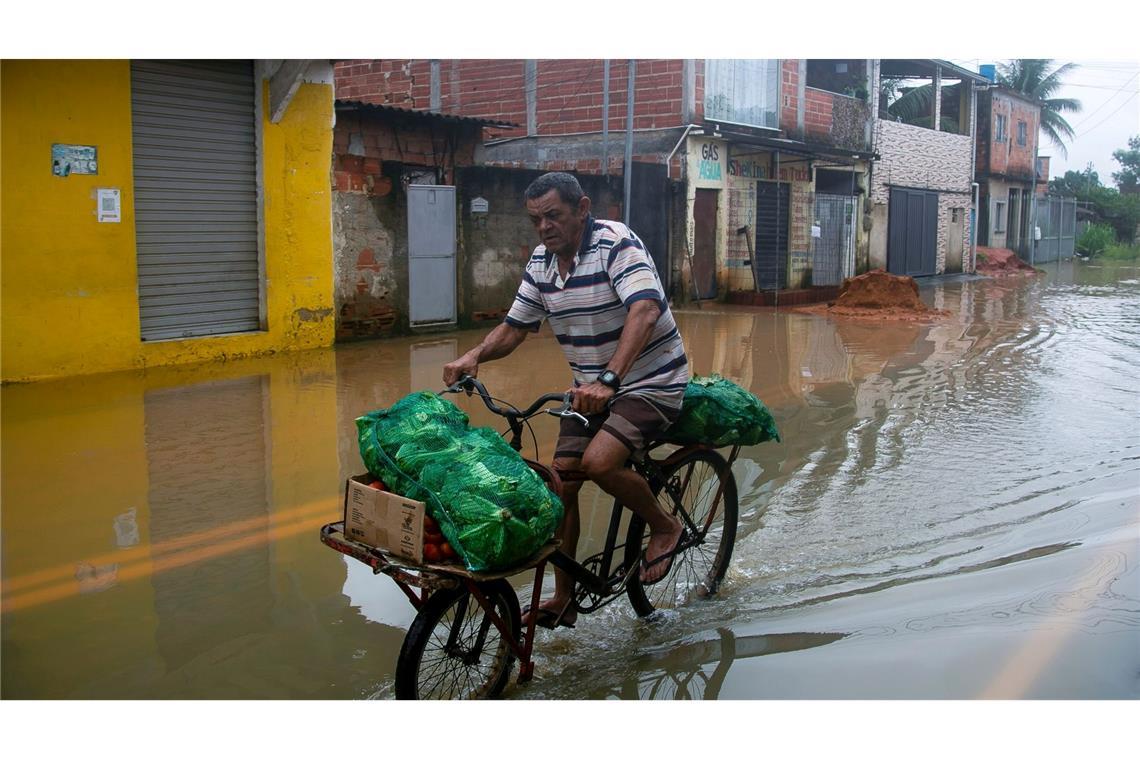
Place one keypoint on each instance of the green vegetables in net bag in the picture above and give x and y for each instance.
(489, 504)
(721, 413)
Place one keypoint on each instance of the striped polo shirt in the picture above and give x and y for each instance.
(587, 311)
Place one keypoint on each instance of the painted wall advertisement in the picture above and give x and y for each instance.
(708, 161)
(73, 159)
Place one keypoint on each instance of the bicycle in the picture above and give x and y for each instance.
(454, 648)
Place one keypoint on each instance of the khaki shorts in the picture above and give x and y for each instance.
(632, 419)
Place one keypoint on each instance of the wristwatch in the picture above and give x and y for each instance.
(610, 379)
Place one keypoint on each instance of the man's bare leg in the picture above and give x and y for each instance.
(604, 463)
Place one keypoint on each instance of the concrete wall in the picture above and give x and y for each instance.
(69, 284)
(498, 245)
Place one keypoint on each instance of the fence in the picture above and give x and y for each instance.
(833, 249)
(1057, 218)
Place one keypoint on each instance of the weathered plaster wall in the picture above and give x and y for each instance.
(69, 284)
(375, 155)
(1008, 157)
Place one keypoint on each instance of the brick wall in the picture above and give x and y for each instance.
(398, 83)
(817, 113)
(568, 93)
(789, 95)
(1008, 157)
(361, 142)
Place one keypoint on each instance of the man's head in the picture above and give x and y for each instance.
(557, 208)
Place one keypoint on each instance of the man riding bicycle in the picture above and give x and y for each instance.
(596, 283)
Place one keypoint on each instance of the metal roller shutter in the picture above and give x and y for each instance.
(195, 181)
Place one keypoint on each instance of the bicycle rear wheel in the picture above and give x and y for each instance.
(454, 651)
(701, 483)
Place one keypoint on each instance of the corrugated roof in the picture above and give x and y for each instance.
(430, 115)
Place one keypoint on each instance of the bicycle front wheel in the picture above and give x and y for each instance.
(454, 651)
(701, 484)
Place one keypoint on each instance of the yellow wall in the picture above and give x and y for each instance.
(69, 283)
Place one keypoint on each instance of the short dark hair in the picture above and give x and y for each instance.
(566, 184)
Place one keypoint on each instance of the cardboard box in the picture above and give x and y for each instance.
(382, 519)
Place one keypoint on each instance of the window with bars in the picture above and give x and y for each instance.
(1022, 132)
(999, 128)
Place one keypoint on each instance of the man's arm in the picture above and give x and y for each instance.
(639, 324)
(499, 342)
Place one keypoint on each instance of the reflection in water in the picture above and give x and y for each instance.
(698, 670)
(974, 479)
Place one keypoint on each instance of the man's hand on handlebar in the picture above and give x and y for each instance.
(464, 365)
(591, 398)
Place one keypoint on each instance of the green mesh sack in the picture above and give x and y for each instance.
(489, 504)
(721, 413)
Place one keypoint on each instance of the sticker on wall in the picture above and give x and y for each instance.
(73, 159)
(107, 200)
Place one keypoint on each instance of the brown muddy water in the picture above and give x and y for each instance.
(952, 514)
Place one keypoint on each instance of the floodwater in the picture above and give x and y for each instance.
(953, 513)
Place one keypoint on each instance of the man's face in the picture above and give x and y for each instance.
(559, 225)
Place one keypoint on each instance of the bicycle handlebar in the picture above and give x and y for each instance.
(469, 384)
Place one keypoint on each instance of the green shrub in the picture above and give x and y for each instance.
(1122, 252)
(1096, 239)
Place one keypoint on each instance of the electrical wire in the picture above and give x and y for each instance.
(1106, 118)
(1088, 117)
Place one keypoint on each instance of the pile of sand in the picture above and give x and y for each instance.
(1001, 262)
(877, 295)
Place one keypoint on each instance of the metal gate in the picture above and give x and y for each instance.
(194, 141)
(833, 252)
(1057, 218)
(649, 214)
(431, 254)
(912, 232)
(770, 262)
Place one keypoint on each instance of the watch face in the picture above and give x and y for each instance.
(610, 378)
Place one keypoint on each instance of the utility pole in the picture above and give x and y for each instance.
(629, 141)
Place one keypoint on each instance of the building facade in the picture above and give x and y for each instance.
(163, 212)
(1007, 170)
(766, 169)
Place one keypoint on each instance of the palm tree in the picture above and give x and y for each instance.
(1037, 78)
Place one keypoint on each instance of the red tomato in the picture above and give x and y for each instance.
(378, 485)
(433, 538)
(431, 553)
(447, 551)
(430, 525)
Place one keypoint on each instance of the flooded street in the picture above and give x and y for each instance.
(953, 513)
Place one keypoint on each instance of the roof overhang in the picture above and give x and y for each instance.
(424, 116)
(920, 68)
